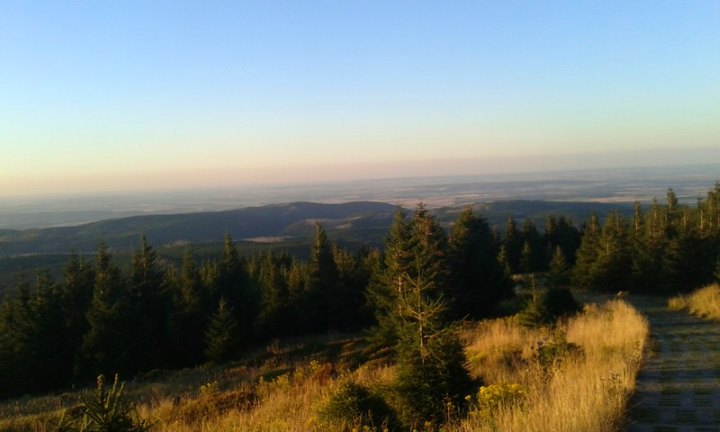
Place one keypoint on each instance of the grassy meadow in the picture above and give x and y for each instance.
(575, 376)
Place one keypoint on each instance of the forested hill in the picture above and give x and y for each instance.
(364, 221)
(250, 222)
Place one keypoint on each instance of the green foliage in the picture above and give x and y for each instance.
(106, 347)
(535, 312)
(556, 351)
(354, 406)
(479, 279)
(558, 275)
(321, 293)
(222, 334)
(428, 385)
(107, 412)
(547, 306)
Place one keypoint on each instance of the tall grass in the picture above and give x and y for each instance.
(704, 302)
(583, 389)
(585, 392)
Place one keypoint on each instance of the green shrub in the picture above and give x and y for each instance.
(355, 407)
(434, 389)
(561, 303)
(554, 352)
(547, 307)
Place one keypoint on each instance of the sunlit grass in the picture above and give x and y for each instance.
(704, 302)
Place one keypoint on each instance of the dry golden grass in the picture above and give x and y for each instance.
(585, 393)
(704, 302)
(577, 392)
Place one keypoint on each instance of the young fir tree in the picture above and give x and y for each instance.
(526, 259)
(431, 360)
(478, 279)
(352, 280)
(386, 282)
(558, 275)
(611, 269)
(513, 244)
(52, 358)
(234, 285)
(586, 253)
(275, 317)
(77, 293)
(222, 334)
(151, 307)
(532, 258)
(322, 294)
(106, 345)
(191, 309)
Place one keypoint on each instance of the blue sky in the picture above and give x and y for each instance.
(107, 95)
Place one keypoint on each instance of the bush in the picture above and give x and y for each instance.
(555, 352)
(354, 406)
(561, 303)
(547, 307)
(433, 389)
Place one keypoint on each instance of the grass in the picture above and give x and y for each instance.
(581, 391)
(704, 302)
(285, 387)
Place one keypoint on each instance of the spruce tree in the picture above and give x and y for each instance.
(77, 293)
(275, 316)
(386, 282)
(612, 267)
(188, 320)
(587, 253)
(513, 244)
(430, 358)
(151, 307)
(222, 334)
(106, 345)
(558, 274)
(322, 292)
(478, 279)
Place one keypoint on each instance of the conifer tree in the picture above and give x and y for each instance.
(478, 279)
(611, 269)
(77, 292)
(558, 274)
(513, 244)
(190, 315)
(275, 316)
(234, 285)
(587, 253)
(106, 345)
(150, 304)
(386, 283)
(222, 334)
(431, 371)
(322, 285)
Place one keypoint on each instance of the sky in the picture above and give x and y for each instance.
(138, 95)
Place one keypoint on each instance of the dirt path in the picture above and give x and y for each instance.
(678, 388)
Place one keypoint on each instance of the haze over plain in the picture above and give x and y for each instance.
(136, 96)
